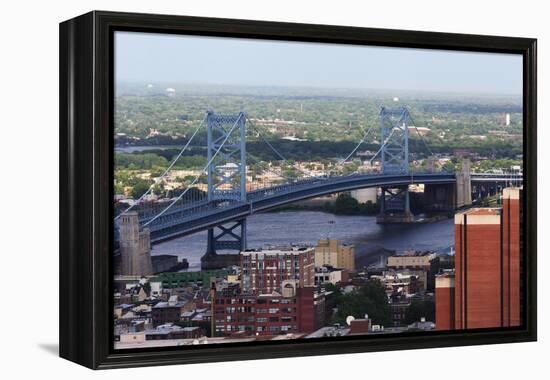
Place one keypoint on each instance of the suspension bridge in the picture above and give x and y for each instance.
(228, 198)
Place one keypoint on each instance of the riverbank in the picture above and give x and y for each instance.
(344, 204)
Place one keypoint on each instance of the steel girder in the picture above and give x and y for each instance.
(231, 236)
(227, 156)
(394, 134)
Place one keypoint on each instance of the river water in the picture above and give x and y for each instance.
(285, 227)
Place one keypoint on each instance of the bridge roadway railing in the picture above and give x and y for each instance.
(327, 181)
(492, 177)
(192, 217)
(260, 194)
(185, 208)
(219, 213)
(212, 210)
(292, 192)
(199, 222)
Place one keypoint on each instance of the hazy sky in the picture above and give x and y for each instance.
(154, 58)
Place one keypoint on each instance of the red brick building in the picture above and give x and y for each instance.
(445, 302)
(264, 271)
(487, 285)
(297, 310)
(511, 257)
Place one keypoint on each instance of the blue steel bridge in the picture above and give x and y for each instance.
(228, 201)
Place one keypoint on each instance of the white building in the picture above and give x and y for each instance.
(365, 195)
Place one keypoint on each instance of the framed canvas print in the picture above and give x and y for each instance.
(237, 189)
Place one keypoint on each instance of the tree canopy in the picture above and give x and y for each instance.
(370, 299)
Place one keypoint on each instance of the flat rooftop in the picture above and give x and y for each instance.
(483, 211)
(412, 253)
(289, 250)
(485, 215)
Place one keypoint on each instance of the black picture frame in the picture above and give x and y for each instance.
(86, 157)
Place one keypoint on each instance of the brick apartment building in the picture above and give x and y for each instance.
(486, 288)
(294, 310)
(263, 271)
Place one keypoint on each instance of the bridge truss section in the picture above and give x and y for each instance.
(227, 169)
(394, 132)
(231, 236)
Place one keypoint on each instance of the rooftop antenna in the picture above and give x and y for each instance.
(331, 223)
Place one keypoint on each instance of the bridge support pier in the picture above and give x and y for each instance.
(463, 189)
(439, 198)
(395, 206)
(224, 237)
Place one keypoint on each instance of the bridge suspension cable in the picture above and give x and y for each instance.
(381, 147)
(424, 141)
(421, 137)
(281, 175)
(427, 146)
(357, 147)
(269, 144)
(265, 140)
(196, 178)
(167, 169)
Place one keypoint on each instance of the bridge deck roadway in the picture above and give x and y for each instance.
(176, 224)
(187, 219)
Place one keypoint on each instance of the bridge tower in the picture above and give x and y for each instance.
(463, 188)
(227, 170)
(135, 246)
(226, 136)
(394, 136)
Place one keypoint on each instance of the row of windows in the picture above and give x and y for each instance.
(271, 272)
(281, 264)
(275, 329)
(235, 301)
(247, 301)
(239, 319)
(276, 310)
(240, 309)
(272, 329)
(267, 265)
(288, 276)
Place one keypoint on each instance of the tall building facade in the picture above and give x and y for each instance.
(135, 246)
(333, 253)
(264, 271)
(445, 301)
(511, 256)
(478, 269)
(487, 283)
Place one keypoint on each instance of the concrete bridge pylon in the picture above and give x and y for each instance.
(463, 188)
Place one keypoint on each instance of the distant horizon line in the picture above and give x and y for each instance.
(171, 84)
